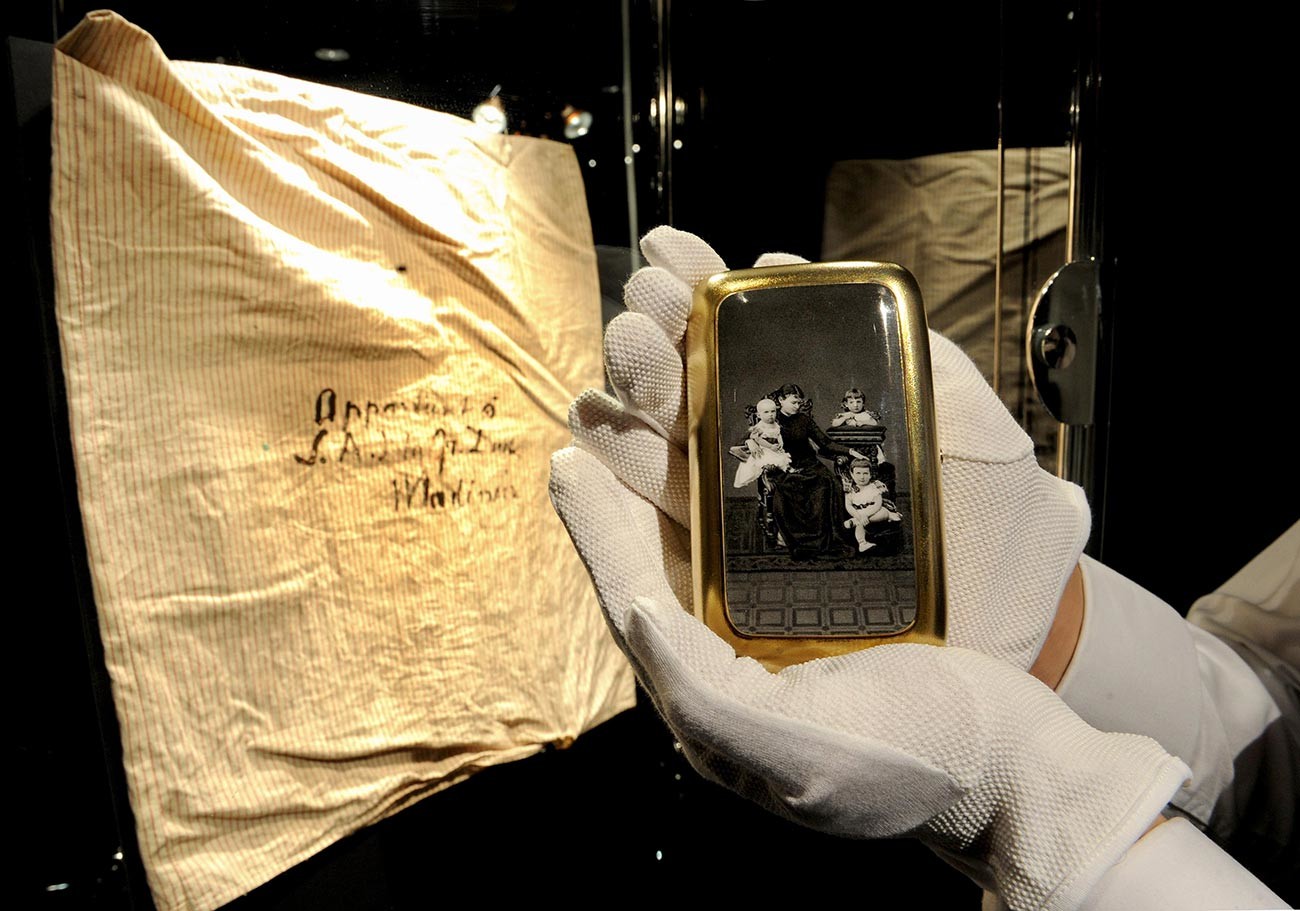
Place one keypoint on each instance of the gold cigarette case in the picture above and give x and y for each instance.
(817, 526)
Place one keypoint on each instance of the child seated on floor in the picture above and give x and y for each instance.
(865, 500)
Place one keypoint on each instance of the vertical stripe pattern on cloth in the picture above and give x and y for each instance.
(318, 349)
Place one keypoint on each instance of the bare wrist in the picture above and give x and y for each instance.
(1063, 637)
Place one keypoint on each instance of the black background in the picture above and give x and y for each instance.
(1200, 323)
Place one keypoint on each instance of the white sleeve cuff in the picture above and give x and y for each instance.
(1140, 668)
(1134, 669)
(1174, 866)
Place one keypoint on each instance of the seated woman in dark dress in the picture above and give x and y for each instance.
(807, 498)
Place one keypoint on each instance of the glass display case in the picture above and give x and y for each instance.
(968, 143)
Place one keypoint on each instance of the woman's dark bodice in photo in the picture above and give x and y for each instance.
(807, 500)
(799, 432)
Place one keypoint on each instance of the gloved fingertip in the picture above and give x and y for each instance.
(778, 259)
(661, 236)
(564, 463)
(651, 285)
(560, 459)
(574, 469)
(646, 607)
(624, 346)
(663, 297)
(642, 626)
(659, 625)
(591, 405)
(631, 338)
(683, 254)
(645, 370)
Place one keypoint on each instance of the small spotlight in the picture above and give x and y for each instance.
(491, 114)
(576, 122)
(332, 54)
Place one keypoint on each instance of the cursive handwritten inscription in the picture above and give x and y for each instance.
(419, 493)
(451, 447)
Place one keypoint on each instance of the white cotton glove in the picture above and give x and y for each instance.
(1012, 532)
(978, 759)
(974, 757)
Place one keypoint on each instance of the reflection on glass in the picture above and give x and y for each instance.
(491, 114)
(936, 215)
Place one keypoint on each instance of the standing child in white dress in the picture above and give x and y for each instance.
(763, 448)
(865, 501)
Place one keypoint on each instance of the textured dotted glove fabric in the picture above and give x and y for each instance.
(1012, 532)
(962, 750)
(971, 755)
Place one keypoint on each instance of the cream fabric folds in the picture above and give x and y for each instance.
(318, 349)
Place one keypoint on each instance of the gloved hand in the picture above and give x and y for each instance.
(1013, 533)
(977, 759)
(961, 750)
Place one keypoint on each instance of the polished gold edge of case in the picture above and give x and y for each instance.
(708, 581)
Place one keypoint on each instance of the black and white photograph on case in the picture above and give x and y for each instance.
(816, 504)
